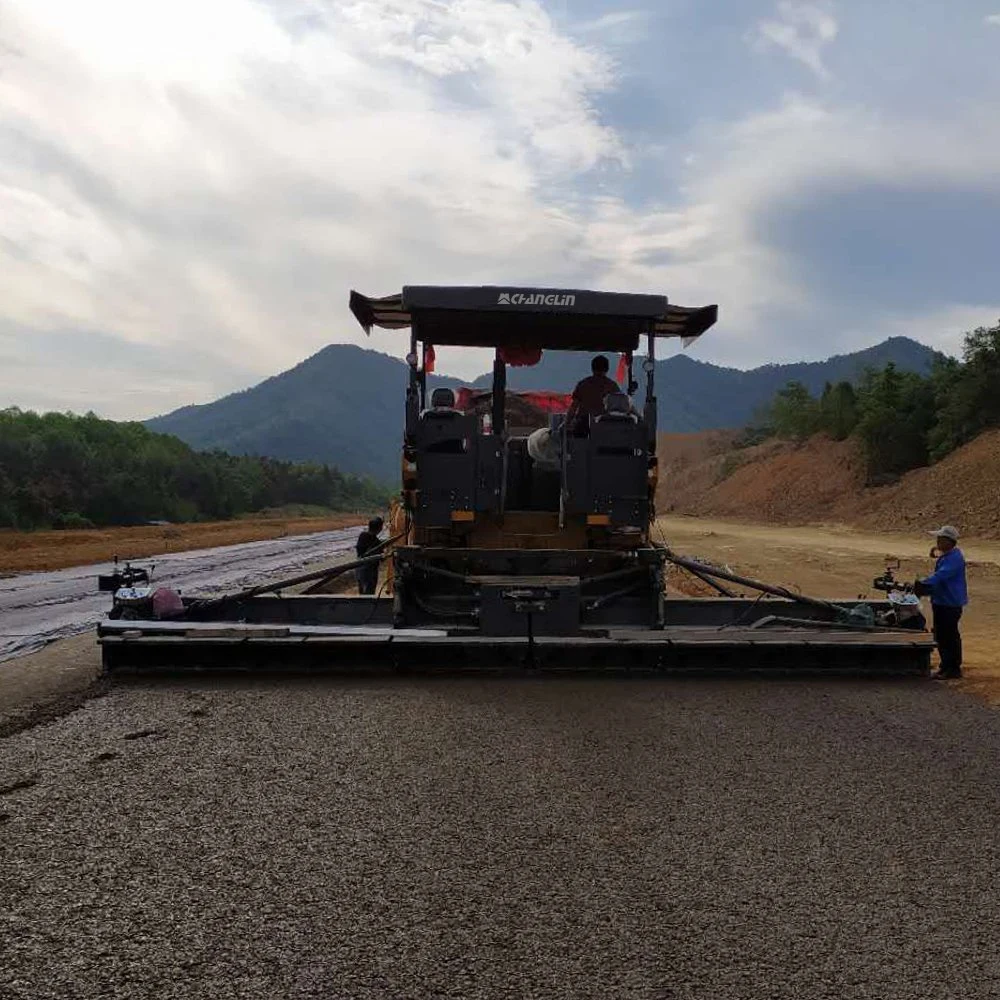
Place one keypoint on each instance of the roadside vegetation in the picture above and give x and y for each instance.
(902, 420)
(58, 470)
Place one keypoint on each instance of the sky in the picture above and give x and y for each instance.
(189, 190)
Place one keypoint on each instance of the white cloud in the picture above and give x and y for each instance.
(804, 143)
(993, 19)
(806, 146)
(715, 246)
(203, 185)
(802, 30)
(620, 27)
(216, 174)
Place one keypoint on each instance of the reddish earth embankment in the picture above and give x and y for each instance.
(963, 489)
(823, 481)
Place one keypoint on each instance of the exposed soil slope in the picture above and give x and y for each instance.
(963, 489)
(820, 480)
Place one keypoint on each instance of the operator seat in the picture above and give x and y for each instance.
(444, 429)
(446, 457)
(617, 406)
(442, 401)
(616, 464)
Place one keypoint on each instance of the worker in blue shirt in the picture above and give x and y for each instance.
(947, 590)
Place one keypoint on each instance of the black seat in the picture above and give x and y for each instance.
(446, 455)
(442, 430)
(442, 404)
(607, 473)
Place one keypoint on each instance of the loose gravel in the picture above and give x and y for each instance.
(504, 838)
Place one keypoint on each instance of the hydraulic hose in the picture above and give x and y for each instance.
(745, 581)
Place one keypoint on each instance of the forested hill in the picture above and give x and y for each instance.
(344, 405)
(60, 470)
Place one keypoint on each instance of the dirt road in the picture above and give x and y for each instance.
(493, 838)
(37, 608)
(817, 540)
(833, 561)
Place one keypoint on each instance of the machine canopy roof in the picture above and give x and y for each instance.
(549, 318)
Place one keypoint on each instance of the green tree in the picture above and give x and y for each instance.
(838, 410)
(794, 413)
(903, 420)
(62, 470)
(895, 415)
(967, 396)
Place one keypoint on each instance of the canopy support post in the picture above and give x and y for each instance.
(499, 394)
(423, 376)
(413, 401)
(649, 415)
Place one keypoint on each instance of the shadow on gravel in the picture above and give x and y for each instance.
(51, 709)
(17, 786)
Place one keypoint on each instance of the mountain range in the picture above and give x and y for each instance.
(344, 405)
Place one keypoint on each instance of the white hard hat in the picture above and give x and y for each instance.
(946, 531)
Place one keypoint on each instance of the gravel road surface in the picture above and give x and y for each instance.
(504, 838)
(37, 608)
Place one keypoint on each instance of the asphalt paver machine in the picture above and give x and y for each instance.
(524, 537)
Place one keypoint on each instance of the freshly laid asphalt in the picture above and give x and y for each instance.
(503, 838)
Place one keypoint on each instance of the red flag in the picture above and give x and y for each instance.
(622, 372)
(429, 358)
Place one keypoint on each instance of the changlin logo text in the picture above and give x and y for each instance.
(535, 299)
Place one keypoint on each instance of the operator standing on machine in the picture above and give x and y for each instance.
(949, 594)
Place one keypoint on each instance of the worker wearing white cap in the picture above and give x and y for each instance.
(949, 594)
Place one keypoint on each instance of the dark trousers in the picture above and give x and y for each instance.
(367, 577)
(946, 635)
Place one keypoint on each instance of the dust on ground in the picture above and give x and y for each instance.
(840, 562)
(32, 551)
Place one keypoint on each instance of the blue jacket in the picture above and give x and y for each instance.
(947, 582)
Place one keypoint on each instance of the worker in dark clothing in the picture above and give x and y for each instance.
(948, 592)
(367, 576)
(589, 394)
